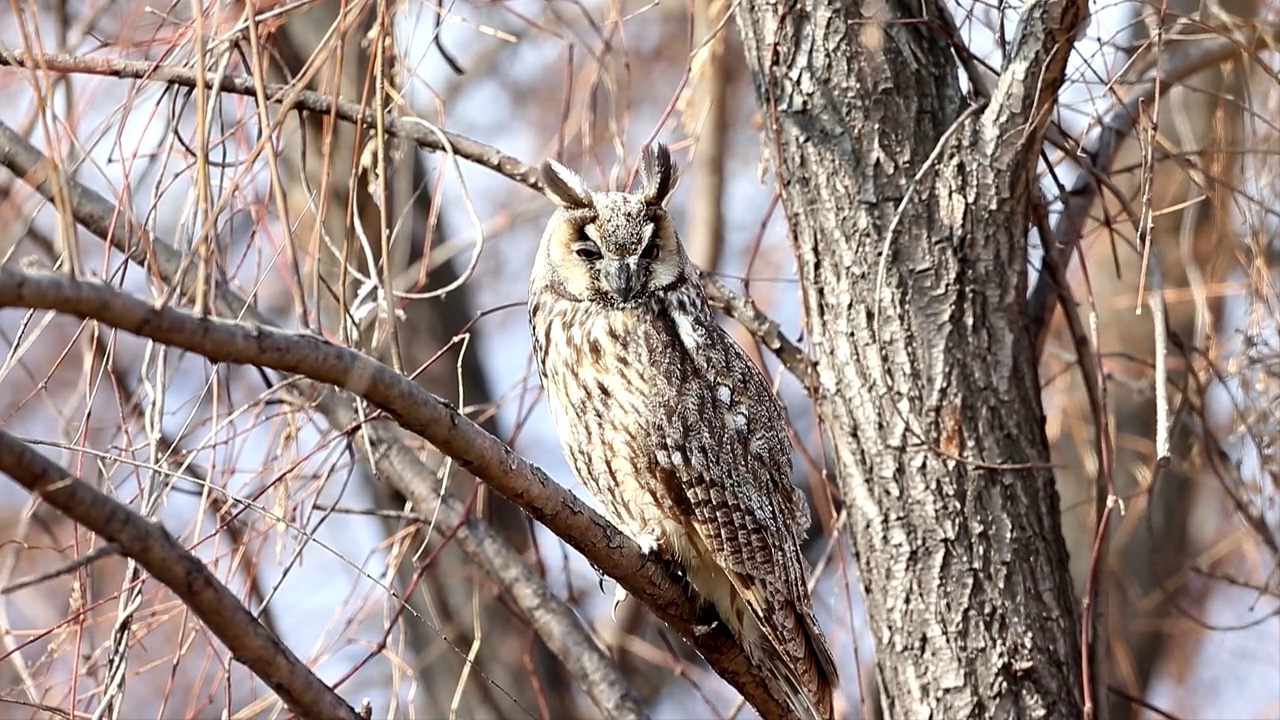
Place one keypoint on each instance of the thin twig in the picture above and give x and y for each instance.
(88, 558)
(420, 132)
(172, 564)
(1160, 330)
(1132, 699)
(1098, 152)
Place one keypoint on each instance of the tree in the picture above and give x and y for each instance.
(288, 410)
(908, 212)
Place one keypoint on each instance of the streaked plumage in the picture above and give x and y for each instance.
(668, 423)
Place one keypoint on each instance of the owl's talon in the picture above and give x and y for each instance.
(648, 542)
(619, 594)
(701, 630)
(600, 576)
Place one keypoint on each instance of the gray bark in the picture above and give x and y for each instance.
(913, 268)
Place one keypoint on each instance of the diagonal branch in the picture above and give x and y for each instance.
(522, 483)
(420, 412)
(183, 573)
(289, 97)
(763, 327)
(1027, 89)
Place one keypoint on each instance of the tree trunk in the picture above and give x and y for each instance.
(909, 216)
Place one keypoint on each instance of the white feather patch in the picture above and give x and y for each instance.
(689, 335)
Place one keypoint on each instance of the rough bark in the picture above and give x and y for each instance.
(912, 262)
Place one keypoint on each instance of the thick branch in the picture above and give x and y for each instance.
(475, 450)
(183, 573)
(414, 408)
(1014, 122)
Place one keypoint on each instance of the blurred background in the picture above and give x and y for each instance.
(422, 259)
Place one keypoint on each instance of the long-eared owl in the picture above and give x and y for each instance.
(667, 422)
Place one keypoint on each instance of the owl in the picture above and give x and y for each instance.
(669, 425)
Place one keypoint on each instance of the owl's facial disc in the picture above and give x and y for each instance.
(618, 256)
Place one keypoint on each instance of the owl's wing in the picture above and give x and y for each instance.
(721, 448)
(731, 474)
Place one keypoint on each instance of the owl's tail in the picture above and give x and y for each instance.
(808, 682)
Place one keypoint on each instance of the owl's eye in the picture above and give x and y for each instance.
(587, 252)
(650, 251)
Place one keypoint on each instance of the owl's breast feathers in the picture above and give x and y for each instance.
(596, 372)
(677, 434)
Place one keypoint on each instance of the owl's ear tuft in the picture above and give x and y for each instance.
(659, 174)
(564, 186)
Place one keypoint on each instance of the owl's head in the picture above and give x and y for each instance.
(611, 247)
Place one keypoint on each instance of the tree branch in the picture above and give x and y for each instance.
(763, 327)
(169, 562)
(1027, 89)
(475, 450)
(289, 97)
(424, 135)
(1185, 56)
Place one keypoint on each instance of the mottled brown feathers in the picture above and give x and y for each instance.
(667, 422)
(564, 187)
(659, 174)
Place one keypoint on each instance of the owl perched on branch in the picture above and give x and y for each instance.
(668, 423)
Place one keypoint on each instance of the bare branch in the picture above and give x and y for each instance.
(169, 562)
(704, 115)
(105, 551)
(1184, 57)
(763, 327)
(475, 450)
(291, 97)
(1027, 89)
(513, 477)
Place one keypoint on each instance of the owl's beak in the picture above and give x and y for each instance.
(621, 279)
